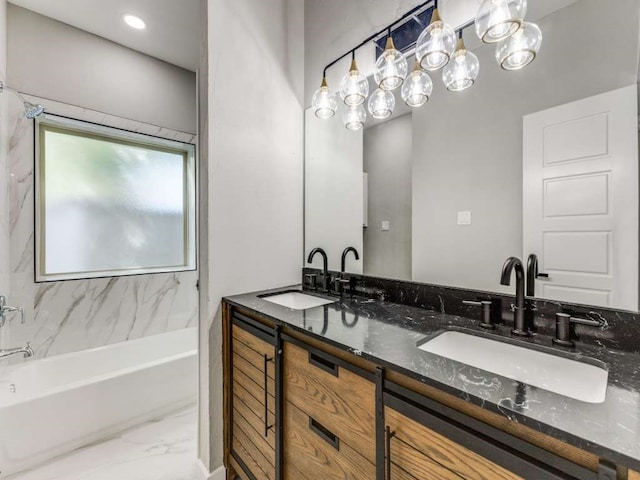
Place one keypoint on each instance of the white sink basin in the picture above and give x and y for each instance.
(564, 376)
(297, 300)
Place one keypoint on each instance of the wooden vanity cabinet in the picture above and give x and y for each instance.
(297, 408)
(253, 391)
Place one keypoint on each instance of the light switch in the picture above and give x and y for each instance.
(464, 218)
(385, 226)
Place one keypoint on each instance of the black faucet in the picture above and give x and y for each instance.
(532, 274)
(344, 257)
(325, 267)
(519, 324)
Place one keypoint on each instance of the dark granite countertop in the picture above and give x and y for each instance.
(388, 333)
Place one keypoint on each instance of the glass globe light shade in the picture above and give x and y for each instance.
(354, 117)
(462, 70)
(381, 104)
(354, 87)
(324, 102)
(521, 48)
(417, 88)
(499, 19)
(391, 68)
(435, 44)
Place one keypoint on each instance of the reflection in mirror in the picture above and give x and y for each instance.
(542, 160)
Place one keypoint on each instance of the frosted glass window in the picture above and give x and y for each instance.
(111, 202)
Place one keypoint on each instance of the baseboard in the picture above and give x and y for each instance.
(218, 474)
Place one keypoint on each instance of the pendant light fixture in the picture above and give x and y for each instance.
(499, 19)
(417, 88)
(324, 103)
(437, 47)
(462, 70)
(354, 87)
(381, 104)
(354, 117)
(391, 67)
(436, 43)
(521, 48)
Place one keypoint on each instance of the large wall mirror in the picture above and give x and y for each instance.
(543, 160)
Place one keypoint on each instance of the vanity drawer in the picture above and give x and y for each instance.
(314, 452)
(339, 399)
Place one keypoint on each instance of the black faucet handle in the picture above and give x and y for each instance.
(565, 328)
(313, 280)
(486, 313)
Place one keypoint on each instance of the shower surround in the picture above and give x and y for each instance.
(73, 315)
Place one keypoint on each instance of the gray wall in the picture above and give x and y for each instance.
(468, 155)
(387, 160)
(254, 220)
(50, 59)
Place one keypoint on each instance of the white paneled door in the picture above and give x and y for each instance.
(580, 174)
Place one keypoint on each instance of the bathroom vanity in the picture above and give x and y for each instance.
(343, 390)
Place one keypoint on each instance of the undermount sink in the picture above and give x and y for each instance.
(575, 379)
(296, 300)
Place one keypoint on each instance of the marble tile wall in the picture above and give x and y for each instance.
(68, 316)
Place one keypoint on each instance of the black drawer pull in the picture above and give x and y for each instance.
(388, 435)
(323, 364)
(267, 427)
(325, 434)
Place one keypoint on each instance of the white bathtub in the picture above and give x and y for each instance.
(64, 402)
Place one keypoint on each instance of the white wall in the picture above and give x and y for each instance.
(4, 132)
(254, 220)
(468, 155)
(388, 156)
(54, 60)
(333, 191)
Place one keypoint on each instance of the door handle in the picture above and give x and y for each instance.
(267, 427)
(388, 435)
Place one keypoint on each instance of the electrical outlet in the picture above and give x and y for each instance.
(385, 226)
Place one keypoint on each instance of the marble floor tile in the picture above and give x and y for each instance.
(164, 449)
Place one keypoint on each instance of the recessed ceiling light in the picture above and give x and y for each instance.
(135, 22)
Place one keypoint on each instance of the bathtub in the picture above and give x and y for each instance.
(51, 406)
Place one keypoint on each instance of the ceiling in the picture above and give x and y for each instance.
(172, 32)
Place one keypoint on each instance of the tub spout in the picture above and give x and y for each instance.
(26, 351)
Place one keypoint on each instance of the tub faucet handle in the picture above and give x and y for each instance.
(4, 309)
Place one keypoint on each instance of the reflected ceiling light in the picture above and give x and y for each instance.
(354, 87)
(324, 102)
(381, 104)
(521, 48)
(417, 88)
(31, 110)
(436, 43)
(462, 70)
(354, 117)
(391, 67)
(499, 19)
(135, 22)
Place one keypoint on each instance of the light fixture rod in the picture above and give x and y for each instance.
(385, 29)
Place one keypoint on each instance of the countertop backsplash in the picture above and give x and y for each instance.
(620, 330)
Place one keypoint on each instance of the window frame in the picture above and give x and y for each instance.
(79, 128)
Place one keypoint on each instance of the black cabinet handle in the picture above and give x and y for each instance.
(388, 435)
(323, 363)
(267, 427)
(324, 433)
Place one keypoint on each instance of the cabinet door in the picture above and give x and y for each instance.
(417, 452)
(253, 400)
(425, 440)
